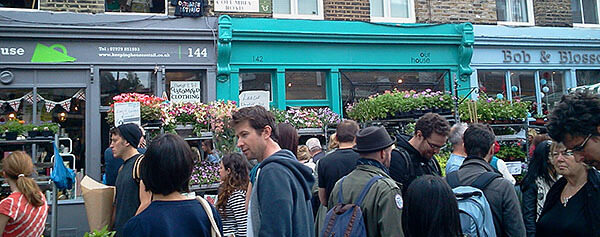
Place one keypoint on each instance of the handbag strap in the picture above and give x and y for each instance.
(214, 228)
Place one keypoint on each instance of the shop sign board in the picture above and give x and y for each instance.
(185, 91)
(191, 8)
(260, 6)
(252, 98)
(514, 167)
(98, 51)
(536, 56)
(127, 112)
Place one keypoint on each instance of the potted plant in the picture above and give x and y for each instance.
(104, 232)
(48, 129)
(539, 119)
(12, 129)
(31, 129)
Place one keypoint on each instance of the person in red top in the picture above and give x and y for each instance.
(24, 211)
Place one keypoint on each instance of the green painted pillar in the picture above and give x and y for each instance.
(234, 86)
(279, 89)
(334, 93)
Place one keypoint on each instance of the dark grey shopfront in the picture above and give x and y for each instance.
(57, 55)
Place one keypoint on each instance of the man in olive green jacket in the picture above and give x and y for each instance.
(382, 205)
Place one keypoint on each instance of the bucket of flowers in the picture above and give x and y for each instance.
(150, 107)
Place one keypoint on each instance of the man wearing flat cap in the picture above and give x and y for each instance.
(124, 141)
(382, 204)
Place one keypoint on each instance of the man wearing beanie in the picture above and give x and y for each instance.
(124, 141)
(382, 204)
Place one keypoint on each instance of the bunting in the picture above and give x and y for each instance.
(14, 104)
(80, 95)
(49, 104)
(66, 104)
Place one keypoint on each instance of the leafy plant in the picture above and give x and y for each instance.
(104, 232)
(29, 127)
(54, 127)
(510, 152)
(13, 126)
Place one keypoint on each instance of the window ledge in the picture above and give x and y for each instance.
(19, 9)
(292, 16)
(393, 19)
(515, 23)
(576, 25)
(136, 13)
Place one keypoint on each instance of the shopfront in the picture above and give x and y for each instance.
(68, 68)
(303, 63)
(534, 63)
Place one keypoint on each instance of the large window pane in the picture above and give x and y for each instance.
(587, 77)
(116, 82)
(590, 11)
(256, 81)
(576, 8)
(281, 7)
(361, 84)
(512, 10)
(172, 76)
(376, 8)
(525, 83)
(139, 6)
(399, 8)
(554, 87)
(308, 7)
(305, 85)
(26, 4)
(491, 83)
(24, 110)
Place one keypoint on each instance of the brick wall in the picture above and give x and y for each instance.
(82, 6)
(347, 10)
(456, 11)
(553, 13)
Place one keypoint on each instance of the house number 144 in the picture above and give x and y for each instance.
(197, 52)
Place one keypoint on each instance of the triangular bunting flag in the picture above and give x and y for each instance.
(28, 97)
(50, 105)
(14, 104)
(66, 104)
(80, 95)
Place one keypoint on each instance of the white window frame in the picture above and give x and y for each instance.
(294, 12)
(387, 13)
(597, 14)
(166, 13)
(530, 16)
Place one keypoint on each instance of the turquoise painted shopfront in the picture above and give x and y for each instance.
(305, 63)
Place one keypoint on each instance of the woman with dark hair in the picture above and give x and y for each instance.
(232, 194)
(572, 204)
(288, 137)
(166, 171)
(210, 154)
(540, 176)
(430, 209)
(24, 211)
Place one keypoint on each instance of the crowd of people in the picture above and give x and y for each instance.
(364, 182)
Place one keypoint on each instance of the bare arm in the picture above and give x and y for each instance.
(3, 221)
(248, 194)
(145, 198)
(323, 196)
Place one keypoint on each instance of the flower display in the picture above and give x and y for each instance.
(205, 173)
(493, 110)
(219, 117)
(150, 105)
(194, 114)
(307, 117)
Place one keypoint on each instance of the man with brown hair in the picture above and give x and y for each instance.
(414, 156)
(280, 199)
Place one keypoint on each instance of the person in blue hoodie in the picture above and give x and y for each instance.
(280, 201)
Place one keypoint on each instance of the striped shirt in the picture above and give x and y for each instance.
(234, 218)
(25, 219)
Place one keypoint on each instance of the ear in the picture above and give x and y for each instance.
(598, 129)
(266, 133)
(418, 133)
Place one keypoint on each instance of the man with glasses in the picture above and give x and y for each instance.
(414, 155)
(575, 122)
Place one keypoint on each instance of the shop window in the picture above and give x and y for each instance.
(305, 85)
(298, 9)
(585, 11)
(116, 82)
(552, 88)
(492, 83)
(358, 85)
(137, 6)
(23, 109)
(523, 85)
(587, 77)
(185, 76)
(515, 11)
(392, 11)
(23, 4)
(256, 81)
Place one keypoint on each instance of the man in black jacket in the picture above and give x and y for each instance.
(414, 156)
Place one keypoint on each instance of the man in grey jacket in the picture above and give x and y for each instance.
(500, 193)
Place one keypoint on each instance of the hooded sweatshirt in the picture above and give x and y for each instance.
(417, 165)
(280, 201)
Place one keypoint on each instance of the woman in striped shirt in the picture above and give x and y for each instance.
(232, 194)
(24, 211)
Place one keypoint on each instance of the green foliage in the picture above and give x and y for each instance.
(489, 109)
(13, 126)
(442, 158)
(511, 152)
(104, 232)
(29, 127)
(54, 127)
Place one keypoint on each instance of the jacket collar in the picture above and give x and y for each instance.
(372, 169)
(476, 160)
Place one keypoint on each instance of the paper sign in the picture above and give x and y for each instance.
(128, 112)
(252, 98)
(514, 167)
(186, 91)
(237, 5)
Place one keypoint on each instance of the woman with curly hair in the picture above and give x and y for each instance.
(232, 194)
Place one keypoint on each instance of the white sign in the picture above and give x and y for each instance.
(252, 98)
(186, 91)
(128, 112)
(514, 167)
(236, 5)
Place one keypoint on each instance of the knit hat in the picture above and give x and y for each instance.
(131, 133)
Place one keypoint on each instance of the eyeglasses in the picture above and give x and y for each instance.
(582, 145)
(564, 153)
(434, 146)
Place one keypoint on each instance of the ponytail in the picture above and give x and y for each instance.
(18, 166)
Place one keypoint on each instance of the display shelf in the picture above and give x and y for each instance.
(204, 187)
(204, 136)
(26, 141)
(311, 131)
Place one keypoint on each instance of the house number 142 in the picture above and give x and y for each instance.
(198, 52)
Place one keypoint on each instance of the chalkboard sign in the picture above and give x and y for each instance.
(189, 8)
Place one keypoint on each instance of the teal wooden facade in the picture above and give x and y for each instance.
(277, 45)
